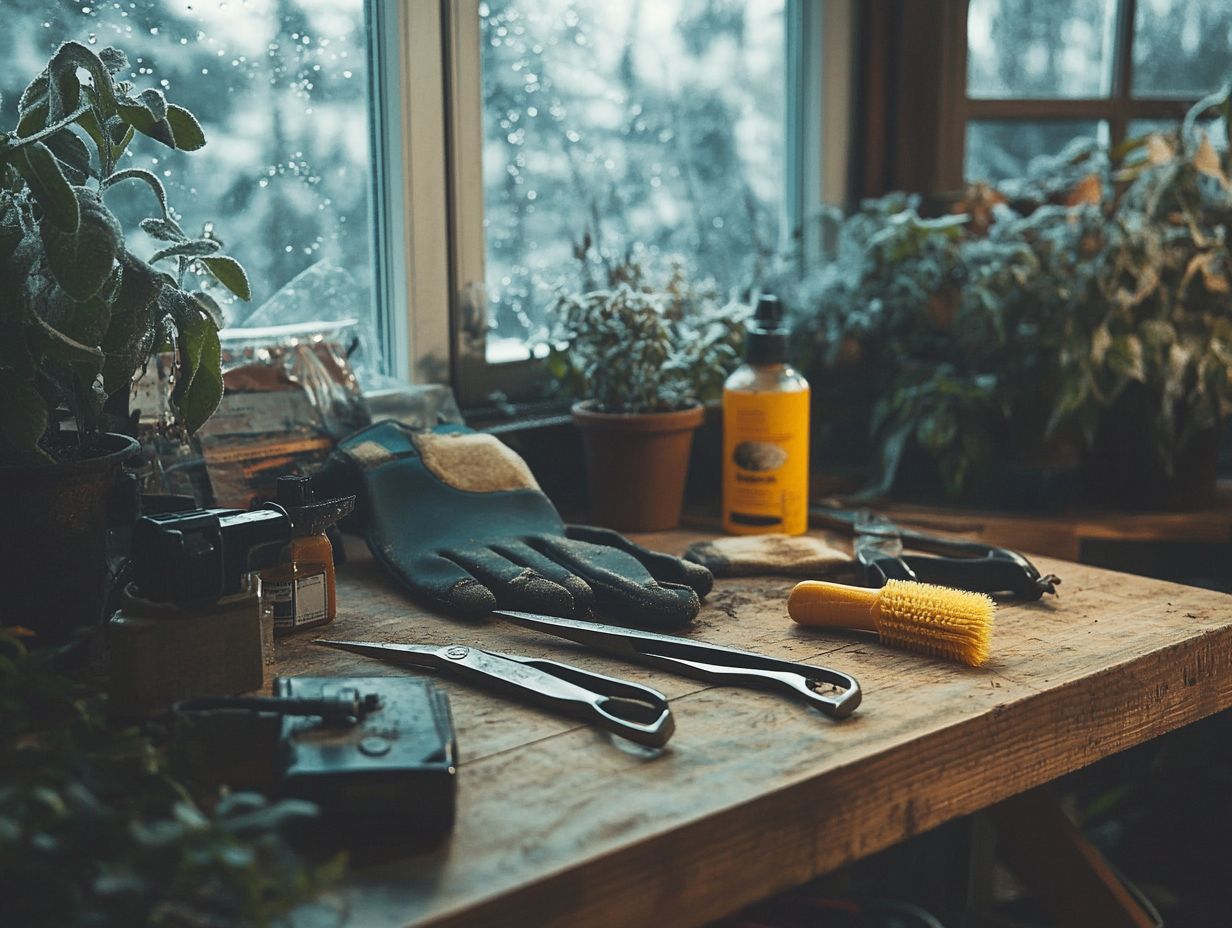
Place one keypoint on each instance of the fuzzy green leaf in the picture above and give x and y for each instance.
(125, 344)
(113, 59)
(185, 128)
(165, 230)
(230, 274)
(209, 306)
(147, 114)
(193, 249)
(146, 177)
(61, 347)
(48, 185)
(72, 154)
(83, 260)
(73, 55)
(203, 393)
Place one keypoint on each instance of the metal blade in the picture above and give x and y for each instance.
(418, 655)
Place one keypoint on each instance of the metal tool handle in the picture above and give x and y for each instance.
(623, 708)
(991, 574)
(628, 709)
(800, 680)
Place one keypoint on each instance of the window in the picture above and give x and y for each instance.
(1041, 72)
(680, 125)
(436, 162)
(660, 124)
(281, 89)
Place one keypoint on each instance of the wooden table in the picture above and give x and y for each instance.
(561, 824)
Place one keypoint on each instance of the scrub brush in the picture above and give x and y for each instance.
(935, 620)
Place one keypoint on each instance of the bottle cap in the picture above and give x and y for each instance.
(767, 334)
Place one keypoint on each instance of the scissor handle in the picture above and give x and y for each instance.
(799, 680)
(624, 708)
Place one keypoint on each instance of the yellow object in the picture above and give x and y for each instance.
(766, 435)
(935, 620)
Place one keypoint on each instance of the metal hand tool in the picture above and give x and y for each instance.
(965, 565)
(627, 709)
(710, 662)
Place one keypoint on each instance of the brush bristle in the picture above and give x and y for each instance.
(936, 620)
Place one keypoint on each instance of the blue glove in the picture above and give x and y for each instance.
(458, 519)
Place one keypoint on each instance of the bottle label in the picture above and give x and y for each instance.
(765, 462)
(297, 602)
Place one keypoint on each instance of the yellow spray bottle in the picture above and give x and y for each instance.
(766, 433)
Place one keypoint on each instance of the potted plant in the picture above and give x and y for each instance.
(646, 353)
(1078, 319)
(80, 317)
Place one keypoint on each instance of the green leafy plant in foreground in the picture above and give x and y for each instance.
(95, 831)
(633, 341)
(80, 314)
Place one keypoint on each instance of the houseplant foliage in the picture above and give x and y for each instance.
(82, 314)
(97, 829)
(1020, 326)
(631, 340)
(644, 350)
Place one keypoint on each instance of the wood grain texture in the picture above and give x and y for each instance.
(561, 824)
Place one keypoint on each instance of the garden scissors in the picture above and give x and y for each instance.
(627, 709)
(835, 693)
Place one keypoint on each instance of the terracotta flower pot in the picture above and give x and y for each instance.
(636, 465)
(52, 526)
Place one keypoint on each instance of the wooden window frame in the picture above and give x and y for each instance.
(1118, 108)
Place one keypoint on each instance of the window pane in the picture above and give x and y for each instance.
(660, 123)
(1181, 47)
(999, 149)
(281, 91)
(1039, 48)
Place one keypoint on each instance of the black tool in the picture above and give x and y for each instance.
(623, 708)
(965, 565)
(710, 662)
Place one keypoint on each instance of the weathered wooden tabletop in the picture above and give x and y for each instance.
(562, 824)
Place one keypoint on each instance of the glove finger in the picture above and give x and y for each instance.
(522, 553)
(442, 583)
(625, 592)
(514, 585)
(664, 567)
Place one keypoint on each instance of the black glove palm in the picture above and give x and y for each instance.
(458, 519)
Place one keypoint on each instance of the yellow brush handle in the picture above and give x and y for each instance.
(836, 605)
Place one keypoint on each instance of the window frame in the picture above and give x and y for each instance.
(428, 185)
(1117, 108)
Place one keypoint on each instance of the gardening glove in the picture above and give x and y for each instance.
(758, 555)
(458, 519)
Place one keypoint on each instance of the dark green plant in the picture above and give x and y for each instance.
(983, 337)
(80, 314)
(95, 830)
(632, 341)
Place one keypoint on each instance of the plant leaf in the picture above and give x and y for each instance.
(72, 154)
(145, 176)
(196, 248)
(125, 344)
(147, 113)
(61, 347)
(47, 183)
(83, 260)
(210, 307)
(185, 128)
(201, 397)
(163, 229)
(230, 274)
(113, 59)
